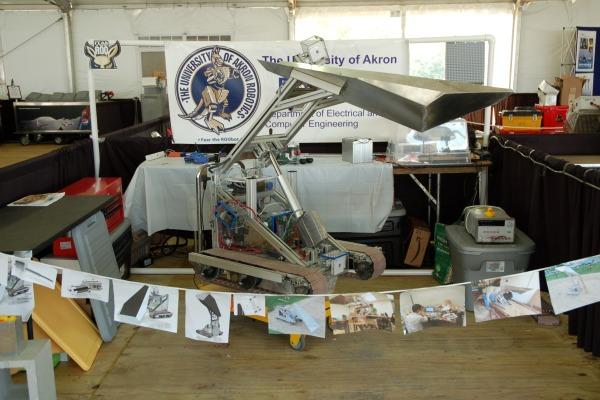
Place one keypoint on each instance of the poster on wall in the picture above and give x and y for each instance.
(586, 50)
(217, 90)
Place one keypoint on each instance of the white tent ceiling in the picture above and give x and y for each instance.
(28, 4)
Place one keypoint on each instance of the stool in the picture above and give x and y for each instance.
(36, 359)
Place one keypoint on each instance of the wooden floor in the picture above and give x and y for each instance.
(508, 359)
(12, 153)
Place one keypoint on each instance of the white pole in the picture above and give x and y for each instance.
(190, 271)
(68, 47)
(487, 116)
(94, 122)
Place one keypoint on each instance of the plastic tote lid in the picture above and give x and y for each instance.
(462, 241)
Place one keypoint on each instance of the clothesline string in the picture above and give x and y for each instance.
(307, 295)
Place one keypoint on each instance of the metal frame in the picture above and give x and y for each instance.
(311, 88)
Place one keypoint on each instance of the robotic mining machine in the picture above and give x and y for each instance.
(262, 238)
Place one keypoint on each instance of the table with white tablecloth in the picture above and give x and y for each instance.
(347, 197)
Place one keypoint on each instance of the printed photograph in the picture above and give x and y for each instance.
(302, 315)
(149, 306)
(131, 301)
(440, 306)
(249, 304)
(585, 51)
(37, 200)
(16, 297)
(38, 273)
(352, 313)
(17, 266)
(574, 284)
(162, 309)
(207, 316)
(4, 264)
(80, 285)
(507, 296)
(588, 85)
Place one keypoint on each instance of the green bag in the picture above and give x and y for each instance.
(443, 264)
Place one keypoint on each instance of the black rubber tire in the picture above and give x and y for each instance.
(302, 290)
(58, 139)
(363, 270)
(300, 345)
(249, 282)
(209, 273)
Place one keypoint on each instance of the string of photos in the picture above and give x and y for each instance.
(207, 313)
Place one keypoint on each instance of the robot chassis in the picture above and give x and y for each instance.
(293, 253)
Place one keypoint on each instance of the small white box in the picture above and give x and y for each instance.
(337, 260)
(357, 150)
(547, 94)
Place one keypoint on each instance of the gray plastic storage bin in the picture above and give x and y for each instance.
(473, 261)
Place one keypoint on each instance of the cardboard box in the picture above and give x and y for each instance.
(571, 88)
(418, 243)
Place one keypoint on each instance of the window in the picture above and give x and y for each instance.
(427, 60)
(452, 59)
(153, 59)
(340, 23)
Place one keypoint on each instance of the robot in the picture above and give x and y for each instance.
(286, 314)
(262, 238)
(158, 305)
(86, 287)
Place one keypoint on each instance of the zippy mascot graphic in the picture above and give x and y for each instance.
(214, 96)
(102, 53)
(217, 89)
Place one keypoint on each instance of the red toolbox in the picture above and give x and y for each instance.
(114, 212)
(553, 116)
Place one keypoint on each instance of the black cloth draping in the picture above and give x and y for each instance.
(47, 173)
(561, 214)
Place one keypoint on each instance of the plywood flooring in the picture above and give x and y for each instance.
(12, 153)
(509, 359)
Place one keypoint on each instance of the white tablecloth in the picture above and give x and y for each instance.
(348, 197)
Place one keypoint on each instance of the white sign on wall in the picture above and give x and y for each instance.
(218, 89)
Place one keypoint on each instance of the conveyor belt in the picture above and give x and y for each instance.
(374, 253)
(318, 281)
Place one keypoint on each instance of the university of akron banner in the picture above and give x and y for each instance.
(218, 89)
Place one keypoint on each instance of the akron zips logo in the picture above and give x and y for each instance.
(102, 53)
(217, 89)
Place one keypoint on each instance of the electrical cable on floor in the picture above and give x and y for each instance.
(165, 249)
